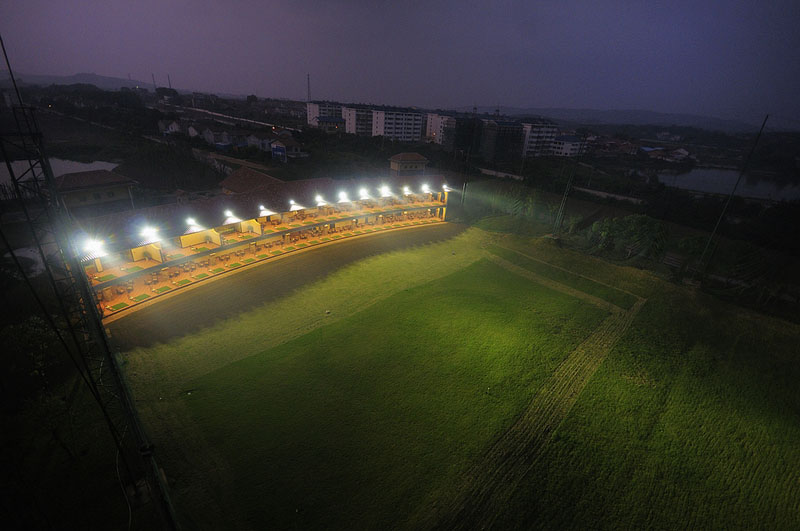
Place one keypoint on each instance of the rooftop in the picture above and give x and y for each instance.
(408, 157)
(122, 230)
(245, 179)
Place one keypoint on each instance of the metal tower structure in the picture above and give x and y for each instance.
(559, 219)
(69, 304)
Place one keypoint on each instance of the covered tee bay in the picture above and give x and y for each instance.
(136, 256)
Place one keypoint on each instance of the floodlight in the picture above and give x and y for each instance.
(445, 188)
(406, 190)
(230, 218)
(191, 221)
(149, 232)
(425, 189)
(385, 191)
(93, 246)
(343, 197)
(318, 199)
(363, 194)
(291, 201)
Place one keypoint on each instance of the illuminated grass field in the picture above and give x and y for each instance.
(671, 409)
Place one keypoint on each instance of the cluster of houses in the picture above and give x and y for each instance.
(667, 155)
(610, 147)
(278, 142)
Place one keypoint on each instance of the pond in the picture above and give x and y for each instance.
(719, 181)
(59, 166)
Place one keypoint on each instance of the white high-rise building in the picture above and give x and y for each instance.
(405, 126)
(439, 129)
(357, 120)
(568, 146)
(538, 139)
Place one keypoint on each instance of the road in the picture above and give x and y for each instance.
(208, 303)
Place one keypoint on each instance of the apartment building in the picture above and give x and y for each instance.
(568, 146)
(440, 129)
(538, 138)
(398, 124)
(357, 120)
(327, 109)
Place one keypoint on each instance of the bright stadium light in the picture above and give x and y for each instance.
(264, 211)
(425, 189)
(363, 194)
(230, 218)
(385, 191)
(445, 188)
(94, 247)
(149, 232)
(295, 206)
(406, 190)
(193, 226)
(343, 197)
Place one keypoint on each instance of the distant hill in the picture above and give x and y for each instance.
(633, 117)
(101, 82)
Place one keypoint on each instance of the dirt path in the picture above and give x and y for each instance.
(486, 488)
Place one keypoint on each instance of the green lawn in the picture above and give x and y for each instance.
(581, 283)
(366, 416)
(691, 422)
(360, 407)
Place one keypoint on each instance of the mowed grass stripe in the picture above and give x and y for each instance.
(490, 484)
(578, 282)
(384, 407)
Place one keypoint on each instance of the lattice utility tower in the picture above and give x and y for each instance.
(69, 304)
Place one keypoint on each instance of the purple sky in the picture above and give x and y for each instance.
(731, 59)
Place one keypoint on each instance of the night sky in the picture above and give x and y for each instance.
(730, 59)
